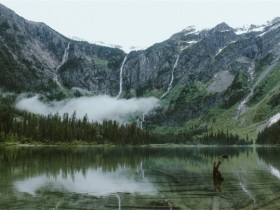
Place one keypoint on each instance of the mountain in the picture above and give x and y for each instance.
(221, 78)
(32, 54)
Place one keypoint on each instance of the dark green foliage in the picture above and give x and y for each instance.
(26, 127)
(240, 81)
(71, 63)
(18, 75)
(190, 92)
(54, 128)
(270, 135)
(140, 91)
(266, 60)
(192, 101)
(19, 72)
(8, 76)
(115, 63)
(223, 138)
(237, 90)
(6, 116)
(258, 94)
(18, 126)
(266, 85)
(275, 100)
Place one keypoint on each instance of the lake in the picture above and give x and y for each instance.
(138, 178)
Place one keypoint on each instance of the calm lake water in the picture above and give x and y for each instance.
(138, 178)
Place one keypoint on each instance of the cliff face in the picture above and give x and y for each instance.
(36, 58)
(193, 71)
(32, 55)
(203, 54)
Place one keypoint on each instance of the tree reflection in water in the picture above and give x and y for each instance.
(217, 177)
(143, 178)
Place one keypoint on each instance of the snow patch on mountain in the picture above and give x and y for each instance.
(273, 27)
(250, 28)
(103, 44)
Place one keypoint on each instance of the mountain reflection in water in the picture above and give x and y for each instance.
(138, 178)
(94, 182)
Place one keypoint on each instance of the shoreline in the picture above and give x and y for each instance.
(170, 145)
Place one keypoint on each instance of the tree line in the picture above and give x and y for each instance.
(53, 128)
(224, 138)
(270, 135)
(24, 127)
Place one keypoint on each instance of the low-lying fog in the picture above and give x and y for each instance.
(97, 108)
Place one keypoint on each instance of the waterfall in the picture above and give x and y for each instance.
(119, 201)
(64, 59)
(242, 105)
(141, 119)
(172, 77)
(142, 170)
(121, 76)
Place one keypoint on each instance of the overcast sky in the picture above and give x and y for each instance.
(140, 23)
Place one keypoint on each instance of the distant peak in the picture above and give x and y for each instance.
(249, 28)
(223, 27)
(275, 20)
(3, 6)
(5, 10)
(189, 29)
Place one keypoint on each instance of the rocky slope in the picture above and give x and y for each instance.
(32, 55)
(201, 76)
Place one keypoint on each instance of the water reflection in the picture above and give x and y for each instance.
(217, 177)
(93, 182)
(274, 171)
(243, 183)
(270, 158)
(141, 178)
(270, 155)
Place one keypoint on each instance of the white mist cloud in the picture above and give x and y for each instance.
(98, 108)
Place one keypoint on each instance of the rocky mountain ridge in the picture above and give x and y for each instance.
(200, 70)
(31, 53)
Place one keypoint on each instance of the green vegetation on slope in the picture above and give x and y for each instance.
(270, 135)
(237, 90)
(17, 126)
(222, 114)
(22, 127)
(271, 81)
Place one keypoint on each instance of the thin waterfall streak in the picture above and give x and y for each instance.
(172, 77)
(121, 77)
(142, 170)
(66, 54)
(141, 119)
(64, 59)
(119, 200)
